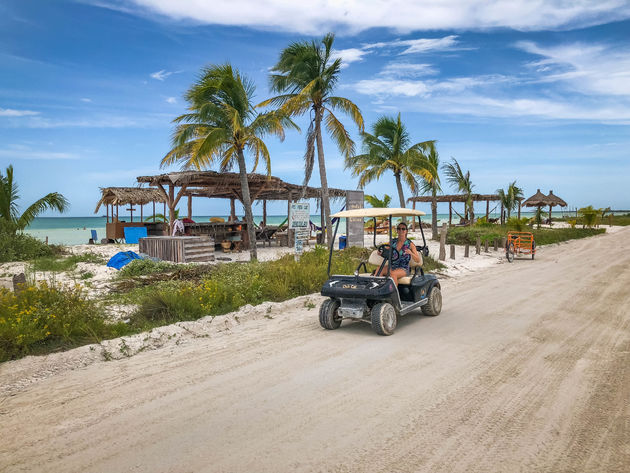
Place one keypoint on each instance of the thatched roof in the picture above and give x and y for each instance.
(455, 198)
(227, 185)
(537, 200)
(555, 200)
(128, 195)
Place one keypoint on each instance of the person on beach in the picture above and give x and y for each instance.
(403, 250)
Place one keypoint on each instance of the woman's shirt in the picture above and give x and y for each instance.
(403, 260)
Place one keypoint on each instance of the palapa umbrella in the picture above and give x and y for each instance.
(537, 200)
(554, 200)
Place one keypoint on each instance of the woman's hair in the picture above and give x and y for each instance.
(402, 223)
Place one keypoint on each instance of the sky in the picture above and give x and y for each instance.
(525, 90)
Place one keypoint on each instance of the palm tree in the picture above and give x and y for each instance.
(431, 182)
(10, 220)
(510, 198)
(461, 181)
(221, 126)
(388, 149)
(306, 76)
(375, 202)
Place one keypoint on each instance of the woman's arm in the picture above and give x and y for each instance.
(414, 252)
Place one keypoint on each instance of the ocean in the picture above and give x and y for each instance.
(76, 230)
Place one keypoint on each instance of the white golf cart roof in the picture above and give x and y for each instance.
(378, 212)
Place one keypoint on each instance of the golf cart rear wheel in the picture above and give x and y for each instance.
(434, 306)
(329, 317)
(384, 318)
(509, 252)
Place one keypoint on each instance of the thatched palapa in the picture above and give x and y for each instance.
(128, 196)
(487, 198)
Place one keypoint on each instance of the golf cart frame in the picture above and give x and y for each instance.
(374, 297)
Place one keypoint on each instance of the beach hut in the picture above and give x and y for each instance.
(113, 197)
(554, 200)
(537, 200)
(487, 198)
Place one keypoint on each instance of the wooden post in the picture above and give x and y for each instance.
(550, 214)
(485, 246)
(264, 212)
(118, 219)
(478, 246)
(141, 213)
(443, 243)
(501, 217)
(131, 211)
(452, 251)
(171, 208)
(519, 209)
(450, 212)
(290, 232)
(190, 206)
(496, 244)
(467, 251)
(154, 211)
(323, 221)
(487, 210)
(232, 210)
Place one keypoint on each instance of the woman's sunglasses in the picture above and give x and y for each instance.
(401, 229)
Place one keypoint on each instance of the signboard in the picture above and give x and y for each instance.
(354, 230)
(299, 221)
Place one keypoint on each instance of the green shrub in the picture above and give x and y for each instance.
(23, 247)
(519, 225)
(49, 263)
(143, 267)
(43, 318)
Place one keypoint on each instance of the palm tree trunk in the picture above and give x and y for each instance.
(322, 175)
(434, 219)
(401, 196)
(247, 203)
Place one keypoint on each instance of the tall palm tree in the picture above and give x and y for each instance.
(431, 182)
(461, 181)
(375, 202)
(10, 219)
(388, 149)
(510, 197)
(306, 76)
(222, 124)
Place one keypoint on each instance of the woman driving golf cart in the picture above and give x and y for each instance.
(403, 251)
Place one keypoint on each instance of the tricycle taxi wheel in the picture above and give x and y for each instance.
(384, 318)
(533, 249)
(509, 252)
(329, 317)
(434, 306)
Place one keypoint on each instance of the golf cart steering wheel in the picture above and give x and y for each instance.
(384, 250)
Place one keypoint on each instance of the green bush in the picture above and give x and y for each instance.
(143, 267)
(43, 318)
(49, 263)
(542, 236)
(23, 247)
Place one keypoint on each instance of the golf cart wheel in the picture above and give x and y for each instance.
(533, 249)
(384, 318)
(329, 317)
(509, 252)
(434, 306)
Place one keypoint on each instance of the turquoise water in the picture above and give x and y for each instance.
(76, 230)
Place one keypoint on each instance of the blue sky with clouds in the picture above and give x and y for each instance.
(533, 91)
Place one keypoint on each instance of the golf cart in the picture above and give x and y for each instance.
(372, 296)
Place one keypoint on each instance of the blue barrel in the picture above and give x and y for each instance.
(342, 242)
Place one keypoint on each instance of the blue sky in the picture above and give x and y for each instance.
(533, 91)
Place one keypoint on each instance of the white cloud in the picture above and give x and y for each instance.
(161, 75)
(400, 15)
(348, 56)
(21, 152)
(405, 69)
(388, 87)
(587, 68)
(9, 112)
(86, 100)
(171, 100)
(425, 45)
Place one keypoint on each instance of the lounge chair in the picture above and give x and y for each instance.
(265, 234)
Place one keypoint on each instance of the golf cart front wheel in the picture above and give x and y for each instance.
(509, 252)
(434, 306)
(329, 317)
(384, 318)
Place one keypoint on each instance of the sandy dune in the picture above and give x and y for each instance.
(527, 369)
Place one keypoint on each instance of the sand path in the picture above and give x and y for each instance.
(527, 369)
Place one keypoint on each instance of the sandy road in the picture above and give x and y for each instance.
(527, 369)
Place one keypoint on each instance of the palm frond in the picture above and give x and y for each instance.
(339, 134)
(52, 201)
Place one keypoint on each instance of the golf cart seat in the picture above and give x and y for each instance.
(412, 265)
(375, 260)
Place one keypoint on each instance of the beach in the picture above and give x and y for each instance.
(524, 368)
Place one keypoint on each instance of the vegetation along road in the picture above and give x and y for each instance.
(526, 369)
